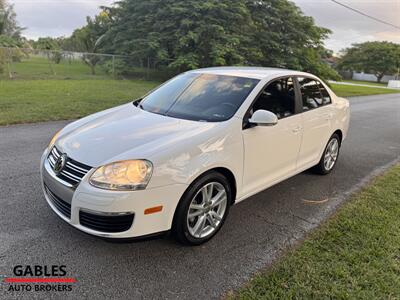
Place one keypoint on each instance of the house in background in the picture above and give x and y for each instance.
(331, 61)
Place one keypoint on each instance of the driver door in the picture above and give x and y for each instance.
(271, 152)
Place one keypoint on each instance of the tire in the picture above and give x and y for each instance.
(324, 167)
(197, 203)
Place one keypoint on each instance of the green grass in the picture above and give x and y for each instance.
(351, 90)
(354, 255)
(366, 82)
(23, 101)
(39, 67)
(36, 67)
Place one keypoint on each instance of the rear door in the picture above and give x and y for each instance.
(317, 120)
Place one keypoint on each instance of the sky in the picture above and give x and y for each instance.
(60, 17)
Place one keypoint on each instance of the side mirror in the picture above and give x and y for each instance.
(263, 118)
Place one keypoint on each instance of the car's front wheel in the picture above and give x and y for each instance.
(203, 209)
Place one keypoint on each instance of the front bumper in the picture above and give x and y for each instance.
(87, 199)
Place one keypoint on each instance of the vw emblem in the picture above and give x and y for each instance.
(60, 163)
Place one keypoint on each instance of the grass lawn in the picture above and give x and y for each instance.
(351, 90)
(39, 68)
(26, 100)
(354, 255)
(23, 101)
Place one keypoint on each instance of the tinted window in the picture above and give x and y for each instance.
(278, 97)
(200, 97)
(326, 99)
(313, 93)
(310, 92)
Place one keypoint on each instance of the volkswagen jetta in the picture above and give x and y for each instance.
(178, 158)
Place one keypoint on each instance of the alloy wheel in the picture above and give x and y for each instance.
(331, 154)
(207, 210)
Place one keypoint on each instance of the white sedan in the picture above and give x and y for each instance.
(178, 158)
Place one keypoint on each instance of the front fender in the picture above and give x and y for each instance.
(219, 148)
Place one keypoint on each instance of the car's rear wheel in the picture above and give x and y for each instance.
(329, 157)
(203, 209)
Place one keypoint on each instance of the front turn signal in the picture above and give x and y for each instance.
(153, 210)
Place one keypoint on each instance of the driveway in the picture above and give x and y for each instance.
(256, 232)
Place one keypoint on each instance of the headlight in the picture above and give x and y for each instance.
(125, 175)
(53, 140)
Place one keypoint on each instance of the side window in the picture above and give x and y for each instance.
(278, 97)
(314, 94)
(310, 92)
(326, 99)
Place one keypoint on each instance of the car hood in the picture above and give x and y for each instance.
(125, 132)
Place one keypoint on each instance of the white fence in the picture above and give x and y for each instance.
(371, 77)
(19, 63)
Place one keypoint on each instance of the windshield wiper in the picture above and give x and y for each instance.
(138, 104)
(137, 101)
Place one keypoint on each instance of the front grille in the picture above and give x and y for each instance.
(106, 223)
(62, 206)
(72, 172)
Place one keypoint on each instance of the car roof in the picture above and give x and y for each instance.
(249, 72)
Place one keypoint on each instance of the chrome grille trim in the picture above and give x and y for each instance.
(77, 169)
(51, 161)
(56, 151)
(71, 176)
(73, 171)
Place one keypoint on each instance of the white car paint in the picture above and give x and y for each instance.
(182, 150)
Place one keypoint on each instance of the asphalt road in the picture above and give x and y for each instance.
(256, 232)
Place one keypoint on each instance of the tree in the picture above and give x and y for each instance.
(8, 23)
(187, 34)
(8, 54)
(51, 48)
(89, 39)
(378, 58)
(10, 37)
(46, 43)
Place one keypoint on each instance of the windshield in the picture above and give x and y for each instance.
(199, 97)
